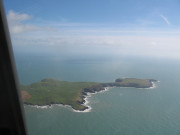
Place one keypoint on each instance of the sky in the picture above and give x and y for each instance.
(96, 27)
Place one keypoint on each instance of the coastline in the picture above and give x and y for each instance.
(154, 85)
(86, 101)
(85, 97)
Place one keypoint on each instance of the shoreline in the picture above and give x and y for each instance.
(152, 87)
(86, 103)
(86, 100)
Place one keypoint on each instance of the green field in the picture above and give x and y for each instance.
(51, 91)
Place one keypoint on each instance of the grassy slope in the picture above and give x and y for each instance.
(140, 82)
(50, 91)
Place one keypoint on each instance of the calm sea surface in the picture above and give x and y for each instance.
(119, 111)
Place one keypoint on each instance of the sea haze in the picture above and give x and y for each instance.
(126, 111)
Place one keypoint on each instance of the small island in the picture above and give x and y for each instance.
(51, 91)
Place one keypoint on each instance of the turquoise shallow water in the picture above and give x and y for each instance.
(126, 111)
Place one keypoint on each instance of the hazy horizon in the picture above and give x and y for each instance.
(129, 28)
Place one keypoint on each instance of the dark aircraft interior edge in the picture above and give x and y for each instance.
(12, 118)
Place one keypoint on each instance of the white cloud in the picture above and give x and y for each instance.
(93, 41)
(17, 17)
(16, 22)
(165, 19)
(153, 43)
(151, 46)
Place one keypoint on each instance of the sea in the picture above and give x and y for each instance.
(116, 111)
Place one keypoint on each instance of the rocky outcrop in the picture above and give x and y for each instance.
(119, 80)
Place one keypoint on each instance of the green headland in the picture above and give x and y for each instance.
(51, 91)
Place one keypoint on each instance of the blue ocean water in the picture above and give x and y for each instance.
(126, 111)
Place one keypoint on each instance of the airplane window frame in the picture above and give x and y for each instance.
(11, 113)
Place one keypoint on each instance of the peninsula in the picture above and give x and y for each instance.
(51, 91)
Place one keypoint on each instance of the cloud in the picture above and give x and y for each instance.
(17, 17)
(165, 19)
(151, 46)
(153, 43)
(16, 22)
(69, 39)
